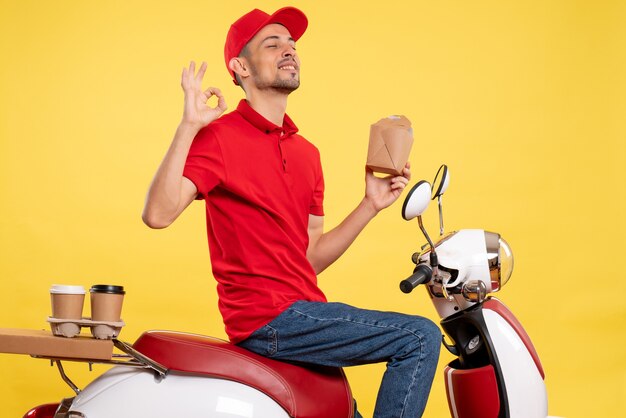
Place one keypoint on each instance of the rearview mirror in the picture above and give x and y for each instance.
(440, 185)
(441, 182)
(417, 200)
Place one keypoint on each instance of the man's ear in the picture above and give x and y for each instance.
(238, 66)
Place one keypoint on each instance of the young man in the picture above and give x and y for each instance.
(263, 188)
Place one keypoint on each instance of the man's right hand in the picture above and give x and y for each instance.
(197, 113)
(170, 193)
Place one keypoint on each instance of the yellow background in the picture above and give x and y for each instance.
(524, 100)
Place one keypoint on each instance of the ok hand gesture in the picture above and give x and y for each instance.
(197, 112)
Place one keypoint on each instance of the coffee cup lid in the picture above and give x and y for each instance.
(67, 289)
(107, 288)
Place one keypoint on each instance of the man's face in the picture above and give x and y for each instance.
(272, 60)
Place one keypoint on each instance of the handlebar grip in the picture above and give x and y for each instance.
(421, 274)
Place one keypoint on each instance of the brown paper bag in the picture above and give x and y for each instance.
(390, 144)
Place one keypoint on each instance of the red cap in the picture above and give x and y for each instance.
(249, 24)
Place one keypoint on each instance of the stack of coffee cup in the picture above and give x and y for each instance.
(106, 306)
(67, 303)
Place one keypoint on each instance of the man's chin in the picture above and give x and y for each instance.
(286, 86)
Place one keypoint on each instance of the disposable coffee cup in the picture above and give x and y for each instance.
(106, 302)
(67, 301)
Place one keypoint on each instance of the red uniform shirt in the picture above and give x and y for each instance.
(260, 182)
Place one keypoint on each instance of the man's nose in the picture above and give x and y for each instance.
(289, 51)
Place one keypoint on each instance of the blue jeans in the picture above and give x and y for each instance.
(339, 335)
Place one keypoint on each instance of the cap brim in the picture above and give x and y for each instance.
(293, 19)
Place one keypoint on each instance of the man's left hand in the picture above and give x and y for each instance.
(382, 192)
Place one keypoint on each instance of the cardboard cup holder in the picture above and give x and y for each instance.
(67, 307)
(102, 330)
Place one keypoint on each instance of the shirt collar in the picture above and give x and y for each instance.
(262, 124)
